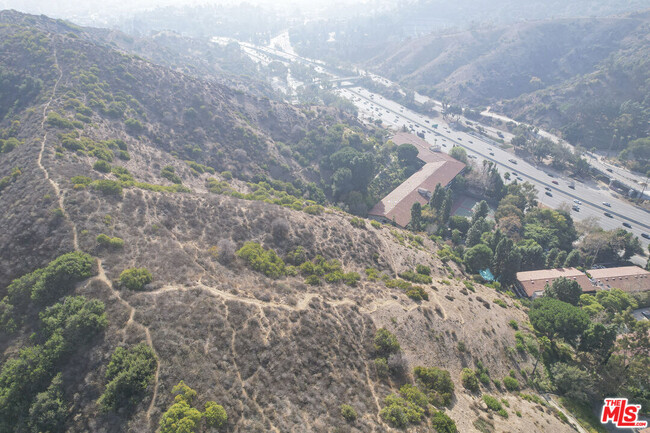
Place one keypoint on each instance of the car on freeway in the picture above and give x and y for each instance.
(426, 120)
(514, 161)
(547, 188)
(460, 138)
(555, 182)
(627, 225)
(550, 175)
(610, 170)
(576, 208)
(607, 214)
(645, 235)
(491, 153)
(577, 201)
(470, 141)
(607, 204)
(548, 193)
(520, 179)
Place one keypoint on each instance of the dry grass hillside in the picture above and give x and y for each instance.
(278, 354)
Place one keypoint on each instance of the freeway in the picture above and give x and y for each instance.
(591, 196)
(478, 148)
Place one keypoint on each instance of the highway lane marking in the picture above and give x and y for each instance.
(426, 128)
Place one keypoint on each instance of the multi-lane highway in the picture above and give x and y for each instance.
(591, 196)
(553, 188)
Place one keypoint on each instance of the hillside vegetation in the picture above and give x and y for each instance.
(586, 78)
(176, 259)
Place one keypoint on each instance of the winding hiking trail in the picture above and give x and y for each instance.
(39, 160)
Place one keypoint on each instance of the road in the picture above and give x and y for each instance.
(591, 196)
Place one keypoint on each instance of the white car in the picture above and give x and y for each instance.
(607, 204)
(578, 202)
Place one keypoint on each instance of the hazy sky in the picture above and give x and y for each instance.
(103, 9)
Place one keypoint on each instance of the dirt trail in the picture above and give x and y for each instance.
(39, 161)
(101, 276)
(238, 373)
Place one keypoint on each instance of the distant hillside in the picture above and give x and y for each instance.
(573, 75)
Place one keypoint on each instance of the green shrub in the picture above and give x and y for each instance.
(314, 209)
(102, 166)
(461, 346)
(359, 223)
(215, 415)
(135, 278)
(133, 126)
(107, 187)
(261, 260)
(399, 412)
(443, 423)
(511, 383)
(56, 120)
(502, 412)
(423, 270)
(500, 303)
(226, 175)
(513, 323)
(181, 417)
(415, 277)
(348, 413)
(492, 403)
(80, 180)
(386, 342)
(381, 366)
(128, 374)
(417, 293)
(436, 383)
(312, 280)
(61, 274)
(469, 379)
(375, 224)
(106, 241)
(169, 173)
(351, 278)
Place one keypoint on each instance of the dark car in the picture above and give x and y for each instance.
(645, 235)
(627, 225)
(555, 182)
(547, 188)
(609, 169)
(549, 194)
(491, 153)
(607, 214)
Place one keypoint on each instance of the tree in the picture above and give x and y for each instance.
(481, 211)
(446, 208)
(215, 415)
(407, 154)
(458, 153)
(442, 423)
(555, 318)
(478, 257)
(416, 216)
(573, 259)
(135, 278)
(506, 261)
(469, 379)
(181, 417)
(49, 410)
(598, 339)
(386, 342)
(532, 255)
(565, 290)
(572, 382)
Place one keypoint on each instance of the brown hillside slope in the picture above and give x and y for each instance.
(279, 355)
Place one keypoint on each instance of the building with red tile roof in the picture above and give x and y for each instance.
(533, 283)
(626, 278)
(439, 168)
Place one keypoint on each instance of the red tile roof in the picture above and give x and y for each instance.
(534, 282)
(626, 278)
(440, 168)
